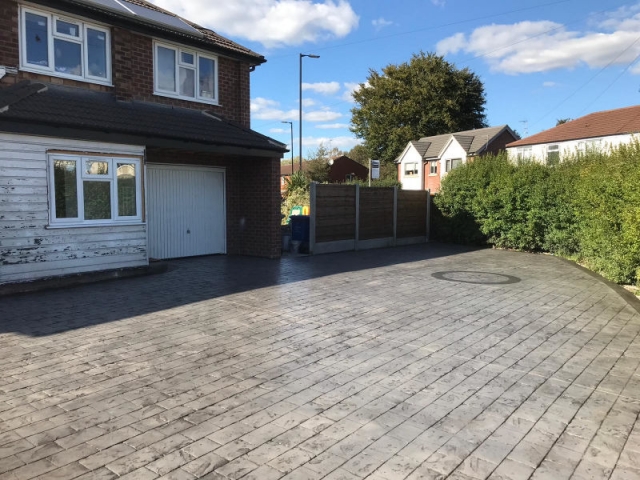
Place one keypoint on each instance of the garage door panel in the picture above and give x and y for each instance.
(186, 214)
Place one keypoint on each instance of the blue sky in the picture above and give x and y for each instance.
(540, 60)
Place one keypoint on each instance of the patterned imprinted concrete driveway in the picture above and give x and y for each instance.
(424, 362)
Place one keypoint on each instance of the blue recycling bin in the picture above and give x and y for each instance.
(300, 228)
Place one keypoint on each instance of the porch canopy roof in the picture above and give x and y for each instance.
(44, 109)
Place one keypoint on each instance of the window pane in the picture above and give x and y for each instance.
(456, 162)
(187, 82)
(65, 188)
(126, 189)
(97, 200)
(68, 57)
(166, 59)
(186, 58)
(206, 75)
(97, 53)
(36, 33)
(553, 158)
(96, 167)
(68, 28)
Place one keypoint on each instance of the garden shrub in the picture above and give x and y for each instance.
(586, 208)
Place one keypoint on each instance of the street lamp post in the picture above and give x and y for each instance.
(291, 126)
(300, 139)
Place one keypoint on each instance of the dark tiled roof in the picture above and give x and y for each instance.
(81, 109)
(472, 141)
(599, 124)
(210, 36)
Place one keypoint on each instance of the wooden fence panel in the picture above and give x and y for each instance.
(335, 213)
(412, 214)
(376, 213)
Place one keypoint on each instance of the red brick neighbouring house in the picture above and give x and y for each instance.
(341, 169)
(129, 140)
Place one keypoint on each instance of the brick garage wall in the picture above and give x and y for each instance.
(499, 144)
(132, 67)
(252, 195)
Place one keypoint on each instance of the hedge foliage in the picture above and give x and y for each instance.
(586, 208)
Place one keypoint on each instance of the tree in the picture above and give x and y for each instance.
(359, 154)
(426, 96)
(560, 121)
(318, 164)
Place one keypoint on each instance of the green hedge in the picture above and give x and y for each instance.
(587, 208)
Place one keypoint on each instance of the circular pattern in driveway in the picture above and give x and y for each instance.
(479, 278)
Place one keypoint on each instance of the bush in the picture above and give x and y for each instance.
(586, 208)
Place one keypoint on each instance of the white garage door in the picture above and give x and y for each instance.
(185, 211)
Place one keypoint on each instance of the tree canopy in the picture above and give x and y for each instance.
(426, 96)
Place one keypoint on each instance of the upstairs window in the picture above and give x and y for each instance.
(184, 73)
(410, 169)
(64, 47)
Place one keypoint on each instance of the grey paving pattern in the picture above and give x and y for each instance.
(340, 367)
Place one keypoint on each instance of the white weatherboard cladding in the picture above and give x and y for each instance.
(453, 151)
(413, 182)
(570, 147)
(28, 248)
(186, 211)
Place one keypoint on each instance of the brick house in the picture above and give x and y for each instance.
(424, 163)
(341, 169)
(125, 136)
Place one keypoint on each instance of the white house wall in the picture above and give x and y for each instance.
(451, 152)
(570, 147)
(413, 182)
(29, 249)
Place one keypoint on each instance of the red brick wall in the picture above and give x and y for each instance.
(252, 195)
(343, 166)
(499, 144)
(431, 182)
(132, 71)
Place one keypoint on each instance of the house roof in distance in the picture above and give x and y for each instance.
(34, 104)
(599, 124)
(472, 141)
(204, 35)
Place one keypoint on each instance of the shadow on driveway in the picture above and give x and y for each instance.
(189, 281)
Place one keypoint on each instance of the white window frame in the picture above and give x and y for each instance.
(431, 168)
(449, 163)
(197, 55)
(524, 154)
(555, 148)
(413, 172)
(81, 176)
(52, 18)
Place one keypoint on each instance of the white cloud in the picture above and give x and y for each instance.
(342, 142)
(550, 84)
(321, 116)
(273, 23)
(380, 23)
(350, 88)
(329, 126)
(266, 109)
(528, 47)
(325, 88)
(307, 102)
(439, 3)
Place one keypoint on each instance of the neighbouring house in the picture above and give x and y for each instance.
(125, 136)
(341, 169)
(424, 163)
(594, 131)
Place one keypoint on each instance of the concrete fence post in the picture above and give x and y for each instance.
(395, 215)
(357, 239)
(312, 216)
(428, 225)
